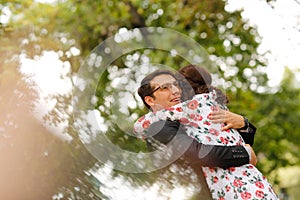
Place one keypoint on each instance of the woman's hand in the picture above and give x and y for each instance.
(230, 119)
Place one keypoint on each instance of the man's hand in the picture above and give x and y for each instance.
(253, 159)
(231, 120)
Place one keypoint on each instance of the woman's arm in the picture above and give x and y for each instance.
(236, 121)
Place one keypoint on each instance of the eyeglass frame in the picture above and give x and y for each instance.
(167, 86)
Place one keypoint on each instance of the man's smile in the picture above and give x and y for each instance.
(176, 100)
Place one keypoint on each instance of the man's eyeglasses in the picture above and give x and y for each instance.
(166, 86)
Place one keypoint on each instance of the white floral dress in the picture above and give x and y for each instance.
(244, 182)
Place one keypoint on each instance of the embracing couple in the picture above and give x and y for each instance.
(185, 107)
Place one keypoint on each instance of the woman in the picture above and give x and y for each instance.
(244, 182)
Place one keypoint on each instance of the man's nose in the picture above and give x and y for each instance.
(175, 89)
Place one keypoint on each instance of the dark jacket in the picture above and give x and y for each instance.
(197, 154)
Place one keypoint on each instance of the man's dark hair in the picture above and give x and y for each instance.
(145, 89)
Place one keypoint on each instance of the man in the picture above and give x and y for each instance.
(160, 90)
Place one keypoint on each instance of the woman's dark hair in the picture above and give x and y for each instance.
(145, 89)
(197, 80)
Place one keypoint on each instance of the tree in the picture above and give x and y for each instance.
(227, 38)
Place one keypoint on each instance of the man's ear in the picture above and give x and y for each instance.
(149, 100)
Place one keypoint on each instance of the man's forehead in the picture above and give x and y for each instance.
(163, 78)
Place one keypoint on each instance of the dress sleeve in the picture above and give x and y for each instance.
(177, 112)
(173, 113)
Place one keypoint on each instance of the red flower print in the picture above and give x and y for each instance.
(141, 118)
(184, 120)
(214, 132)
(228, 188)
(209, 115)
(146, 124)
(246, 195)
(250, 166)
(215, 179)
(196, 117)
(179, 109)
(192, 116)
(224, 140)
(204, 174)
(193, 124)
(193, 104)
(170, 108)
(231, 169)
(259, 194)
(212, 169)
(206, 123)
(208, 138)
(238, 183)
(221, 198)
(259, 185)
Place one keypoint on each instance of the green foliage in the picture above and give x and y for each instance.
(279, 114)
(276, 117)
(229, 40)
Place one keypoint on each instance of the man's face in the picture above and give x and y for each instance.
(166, 92)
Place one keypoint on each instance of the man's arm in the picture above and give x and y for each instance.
(248, 133)
(205, 155)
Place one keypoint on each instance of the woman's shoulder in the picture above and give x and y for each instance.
(205, 96)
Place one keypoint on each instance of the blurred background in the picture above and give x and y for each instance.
(254, 44)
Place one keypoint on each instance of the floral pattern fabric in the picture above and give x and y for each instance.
(244, 182)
